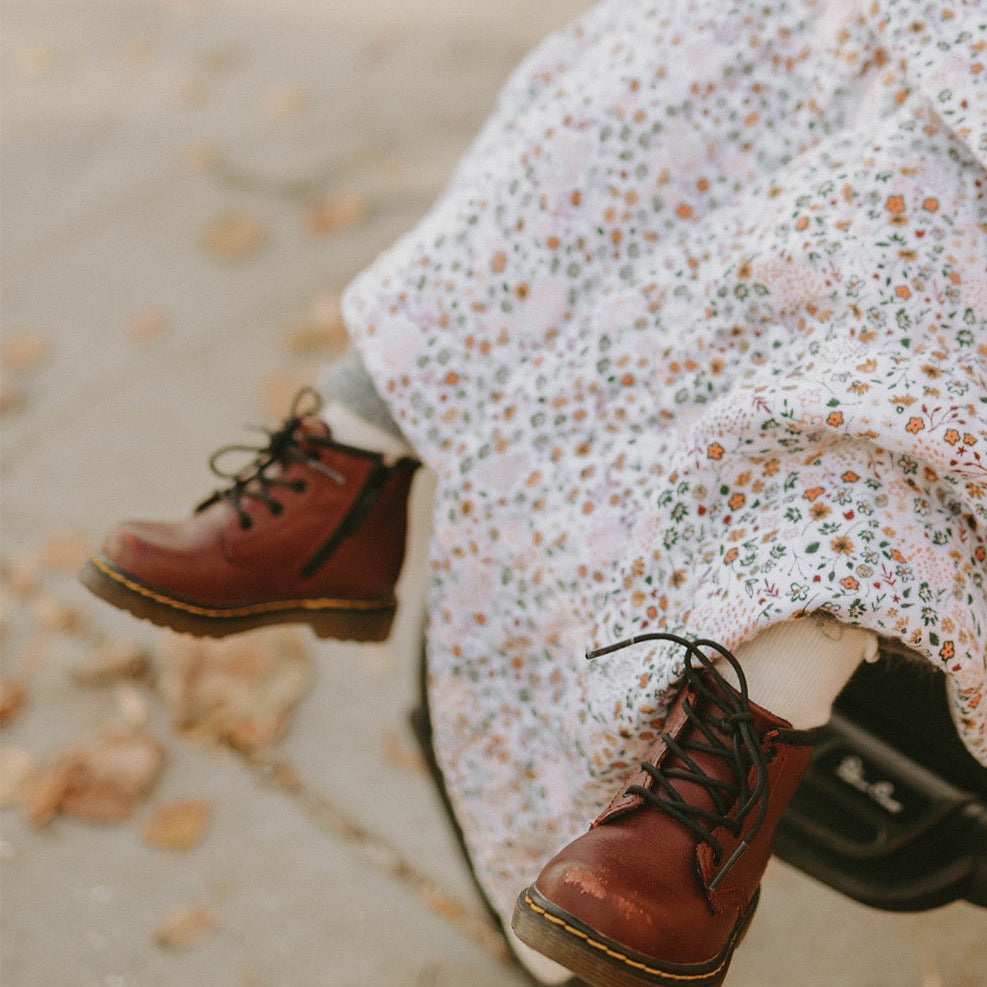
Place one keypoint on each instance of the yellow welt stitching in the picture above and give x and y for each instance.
(326, 603)
(602, 947)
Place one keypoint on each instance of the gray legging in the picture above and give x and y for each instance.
(347, 381)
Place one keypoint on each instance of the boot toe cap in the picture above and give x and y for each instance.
(597, 881)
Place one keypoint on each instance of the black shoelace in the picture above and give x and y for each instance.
(284, 446)
(742, 751)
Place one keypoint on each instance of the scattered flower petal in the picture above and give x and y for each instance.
(23, 351)
(101, 780)
(132, 705)
(66, 553)
(13, 696)
(113, 659)
(234, 236)
(185, 926)
(240, 691)
(286, 101)
(53, 614)
(337, 213)
(177, 826)
(150, 324)
(16, 766)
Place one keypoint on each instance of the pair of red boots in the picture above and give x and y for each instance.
(662, 887)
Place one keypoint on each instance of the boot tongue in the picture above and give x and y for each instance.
(710, 702)
(717, 761)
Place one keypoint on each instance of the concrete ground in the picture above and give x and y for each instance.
(187, 185)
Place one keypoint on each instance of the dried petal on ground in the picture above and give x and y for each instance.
(53, 614)
(42, 794)
(185, 926)
(240, 691)
(101, 780)
(12, 398)
(338, 213)
(66, 553)
(13, 696)
(16, 766)
(443, 905)
(234, 236)
(139, 51)
(21, 574)
(113, 659)
(199, 156)
(285, 100)
(149, 324)
(221, 60)
(36, 60)
(192, 90)
(131, 704)
(402, 755)
(23, 351)
(178, 825)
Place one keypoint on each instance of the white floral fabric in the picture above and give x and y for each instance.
(696, 339)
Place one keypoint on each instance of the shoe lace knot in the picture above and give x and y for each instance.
(264, 470)
(721, 725)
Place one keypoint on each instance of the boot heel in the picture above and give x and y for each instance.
(353, 625)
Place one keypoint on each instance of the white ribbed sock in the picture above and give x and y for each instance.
(351, 429)
(797, 668)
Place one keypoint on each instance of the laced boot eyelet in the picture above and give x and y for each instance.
(299, 486)
(246, 524)
(277, 507)
(770, 753)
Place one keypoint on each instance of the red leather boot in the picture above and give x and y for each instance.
(662, 887)
(312, 531)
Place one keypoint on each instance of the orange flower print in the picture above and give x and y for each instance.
(849, 583)
(731, 556)
(834, 419)
(802, 223)
(898, 557)
(968, 439)
(736, 501)
(930, 205)
(951, 437)
(684, 211)
(895, 205)
(812, 493)
(947, 651)
(849, 477)
(818, 511)
(903, 291)
(841, 545)
(715, 451)
(915, 425)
